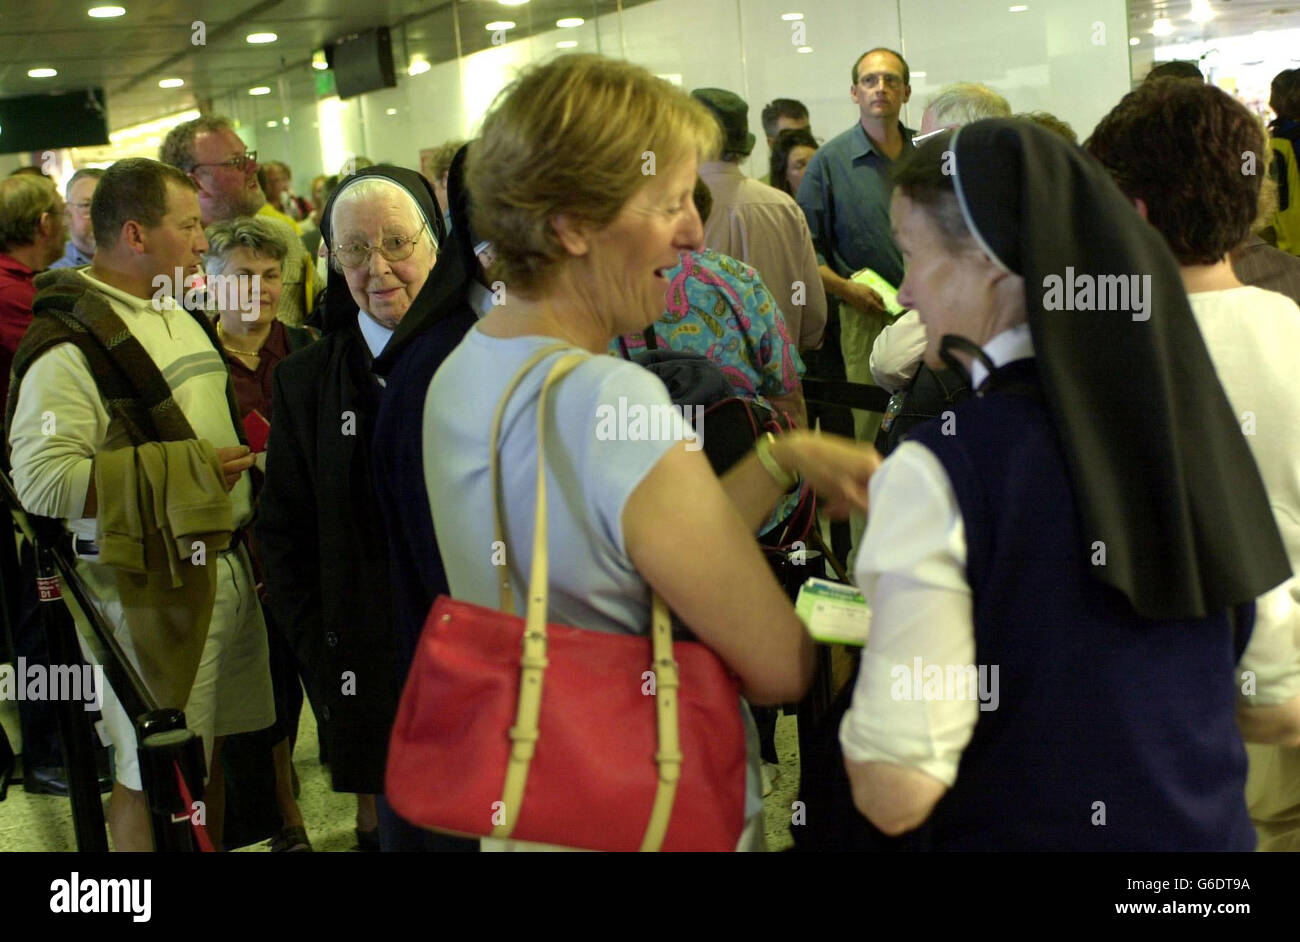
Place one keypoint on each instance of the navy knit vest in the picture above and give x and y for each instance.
(1102, 714)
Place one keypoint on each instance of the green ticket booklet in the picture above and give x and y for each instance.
(888, 293)
(833, 613)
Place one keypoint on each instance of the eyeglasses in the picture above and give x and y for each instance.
(891, 80)
(79, 208)
(238, 162)
(393, 248)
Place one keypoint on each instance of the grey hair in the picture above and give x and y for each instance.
(93, 173)
(964, 102)
(246, 232)
(370, 187)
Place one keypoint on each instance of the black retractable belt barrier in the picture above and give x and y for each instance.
(165, 743)
(834, 392)
(816, 704)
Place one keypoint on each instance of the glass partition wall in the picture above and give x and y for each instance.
(1069, 57)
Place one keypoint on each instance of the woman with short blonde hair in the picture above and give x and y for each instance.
(582, 180)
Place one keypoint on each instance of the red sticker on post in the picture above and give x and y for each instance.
(48, 588)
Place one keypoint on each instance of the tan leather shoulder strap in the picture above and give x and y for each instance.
(526, 730)
(506, 598)
(532, 660)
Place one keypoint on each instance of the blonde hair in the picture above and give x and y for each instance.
(578, 135)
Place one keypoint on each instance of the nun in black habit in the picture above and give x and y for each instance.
(422, 341)
(1062, 569)
(319, 525)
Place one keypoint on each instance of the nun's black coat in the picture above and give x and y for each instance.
(323, 544)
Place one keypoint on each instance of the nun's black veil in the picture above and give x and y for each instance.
(446, 291)
(1162, 473)
(340, 308)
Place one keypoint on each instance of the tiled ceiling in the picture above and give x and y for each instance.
(1232, 18)
(155, 39)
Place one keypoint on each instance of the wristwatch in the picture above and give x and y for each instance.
(786, 480)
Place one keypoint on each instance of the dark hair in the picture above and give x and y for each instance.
(785, 142)
(907, 73)
(782, 108)
(1284, 95)
(134, 189)
(1177, 68)
(922, 176)
(271, 165)
(702, 197)
(1050, 121)
(1179, 147)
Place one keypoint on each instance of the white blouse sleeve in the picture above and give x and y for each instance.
(912, 569)
(896, 355)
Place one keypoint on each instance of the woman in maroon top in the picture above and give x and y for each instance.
(243, 271)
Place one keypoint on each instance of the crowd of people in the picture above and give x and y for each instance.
(1084, 495)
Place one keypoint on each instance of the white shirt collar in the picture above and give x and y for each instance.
(375, 333)
(1006, 347)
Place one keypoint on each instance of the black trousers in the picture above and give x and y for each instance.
(828, 363)
(38, 719)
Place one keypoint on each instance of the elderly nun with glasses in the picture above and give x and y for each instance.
(320, 528)
(1063, 569)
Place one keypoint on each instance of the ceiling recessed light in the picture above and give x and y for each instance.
(1201, 12)
(106, 12)
(792, 16)
(272, 123)
(1134, 41)
(42, 73)
(419, 65)
(171, 83)
(1162, 27)
(920, 74)
(259, 38)
(391, 111)
(569, 22)
(804, 49)
(512, 3)
(285, 120)
(260, 90)
(499, 24)
(566, 44)
(1018, 8)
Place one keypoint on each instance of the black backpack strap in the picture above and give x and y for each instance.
(651, 341)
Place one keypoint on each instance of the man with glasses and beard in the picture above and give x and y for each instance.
(211, 154)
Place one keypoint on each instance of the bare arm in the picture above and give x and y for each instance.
(1278, 725)
(850, 292)
(894, 798)
(793, 404)
(701, 557)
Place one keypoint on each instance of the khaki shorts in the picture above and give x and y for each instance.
(232, 688)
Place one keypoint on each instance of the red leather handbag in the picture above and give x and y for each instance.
(512, 728)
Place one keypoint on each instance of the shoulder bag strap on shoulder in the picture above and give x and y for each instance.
(532, 660)
(526, 731)
(506, 599)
